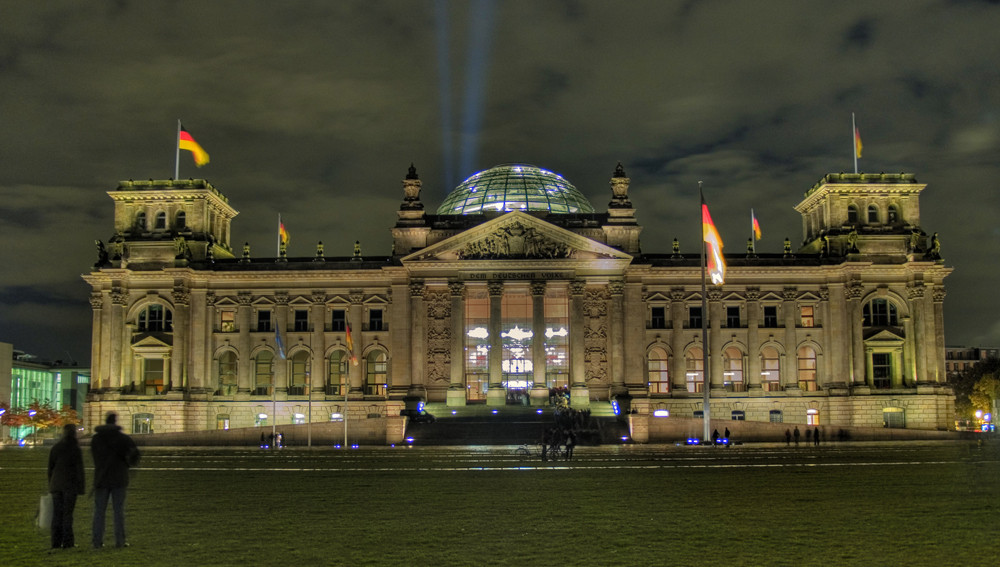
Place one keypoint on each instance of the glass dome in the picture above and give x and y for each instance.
(515, 187)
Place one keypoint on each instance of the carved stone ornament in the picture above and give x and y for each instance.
(915, 291)
(96, 300)
(318, 296)
(514, 241)
(281, 297)
(119, 296)
(715, 295)
(939, 293)
(356, 297)
(753, 293)
(616, 287)
(456, 289)
(790, 294)
(538, 288)
(244, 298)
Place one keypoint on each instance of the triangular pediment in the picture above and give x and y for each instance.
(153, 342)
(771, 296)
(884, 336)
(516, 236)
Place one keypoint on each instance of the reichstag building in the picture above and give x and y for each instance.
(514, 288)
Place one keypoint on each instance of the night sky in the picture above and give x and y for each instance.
(315, 110)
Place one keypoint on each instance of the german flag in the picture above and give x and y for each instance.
(186, 142)
(716, 263)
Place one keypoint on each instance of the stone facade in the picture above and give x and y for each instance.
(504, 307)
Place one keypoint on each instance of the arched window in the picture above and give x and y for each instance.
(807, 369)
(301, 369)
(227, 373)
(140, 220)
(852, 214)
(770, 369)
(336, 379)
(880, 313)
(893, 217)
(263, 373)
(694, 373)
(376, 373)
(656, 365)
(872, 214)
(732, 373)
(155, 319)
(180, 221)
(161, 221)
(812, 417)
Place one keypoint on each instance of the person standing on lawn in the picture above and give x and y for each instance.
(114, 454)
(66, 481)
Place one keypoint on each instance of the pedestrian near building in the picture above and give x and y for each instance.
(114, 454)
(796, 434)
(66, 482)
(816, 436)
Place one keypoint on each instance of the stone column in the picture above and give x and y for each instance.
(790, 371)
(616, 335)
(715, 339)
(937, 347)
(418, 352)
(915, 294)
(909, 352)
(119, 298)
(244, 366)
(539, 391)
(824, 370)
(579, 395)
(400, 337)
(99, 379)
(859, 379)
(839, 337)
(177, 379)
(281, 324)
(355, 374)
(634, 333)
(677, 367)
(200, 357)
(496, 395)
(456, 387)
(753, 342)
(320, 367)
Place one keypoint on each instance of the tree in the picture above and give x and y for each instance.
(984, 392)
(965, 383)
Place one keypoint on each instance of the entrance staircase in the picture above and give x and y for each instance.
(509, 425)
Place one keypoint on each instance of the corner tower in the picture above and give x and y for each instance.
(168, 223)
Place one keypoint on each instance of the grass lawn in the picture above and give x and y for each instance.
(851, 504)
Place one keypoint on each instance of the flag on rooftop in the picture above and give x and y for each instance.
(857, 142)
(186, 142)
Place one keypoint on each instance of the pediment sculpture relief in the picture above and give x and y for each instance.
(514, 241)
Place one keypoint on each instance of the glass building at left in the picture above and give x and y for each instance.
(24, 380)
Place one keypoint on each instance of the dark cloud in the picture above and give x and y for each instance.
(316, 109)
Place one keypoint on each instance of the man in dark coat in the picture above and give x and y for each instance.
(66, 481)
(114, 453)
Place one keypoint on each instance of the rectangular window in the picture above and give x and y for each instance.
(658, 318)
(775, 416)
(264, 321)
(694, 317)
(808, 320)
(301, 320)
(338, 322)
(771, 316)
(227, 321)
(375, 322)
(881, 369)
(733, 317)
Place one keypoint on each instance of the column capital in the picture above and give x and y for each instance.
(318, 296)
(494, 288)
(577, 287)
(854, 290)
(96, 300)
(538, 288)
(939, 294)
(244, 298)
(715, 295)
(281, 297)
(790, 293)
(616, 287)
(119, 296)
(356, 297)
(753, 293)
(677, 294)
(456, 289)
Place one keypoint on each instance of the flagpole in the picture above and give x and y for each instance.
(753, 232)
(706, 413)
(278, 254)
(854, 142)
(177, 156)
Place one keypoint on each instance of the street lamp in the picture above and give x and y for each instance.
(34, 428)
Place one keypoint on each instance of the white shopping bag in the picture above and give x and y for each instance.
(44, 518)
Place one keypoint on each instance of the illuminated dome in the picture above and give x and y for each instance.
(515, 187)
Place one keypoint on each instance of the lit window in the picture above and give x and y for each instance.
(812, 417)
(807, 369)
(808, 319)
(263, 373)
(142, 423)
(694, 370)
(732, 360)
(770, 373)
(222, 421)
(227, 321)
(659, 379)
(227, 373)
(775, 416)
(376, 370)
